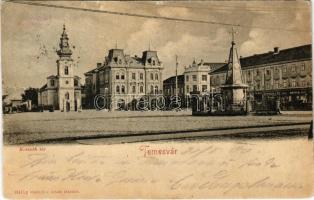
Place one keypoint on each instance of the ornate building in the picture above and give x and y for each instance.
(286, 74)
(62, 91)
(123, 79)
(196, 77)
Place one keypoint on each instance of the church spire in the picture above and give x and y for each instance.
(234, 67)
(64, 50)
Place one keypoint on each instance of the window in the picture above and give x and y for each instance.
(141, 89)
(75, 82)
(204, 88)
(204, 77)
(156, 89)
(284, 83)
(284, 69)
(293, 68)
(154, 62)
(294, 83)
(122, 89)
(133, 89)
(187, 78)
(52, 83)
(268, 72)
(194, 77)
(117, 89)
(106, 77)
(151, 76)
(67, 82)
(156, 76)
(117, 76)
(122, 76)
(141, 76)
(277, 70)
(302, 67)
(194, 88)
(151, 89)
(187, 88)
(133, 76)
(66, 70)
(67, 96)
(267, 84)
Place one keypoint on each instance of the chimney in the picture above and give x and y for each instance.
(98, 65)
(276, 49)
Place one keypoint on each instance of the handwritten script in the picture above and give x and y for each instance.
(197, 170)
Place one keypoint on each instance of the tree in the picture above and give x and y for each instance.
(31, 94)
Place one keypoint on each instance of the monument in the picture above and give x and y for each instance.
(234, 91)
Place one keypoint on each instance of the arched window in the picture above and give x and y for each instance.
(66, 70)
(117, 76)
(141, 89)
(141, 76)
(52, 83)
(133, 89)
(122, 89)
(117, 89)
(152, 89)
(151, 76)
(122, 76)
(75, 82)
(156, 89)
(156, 76)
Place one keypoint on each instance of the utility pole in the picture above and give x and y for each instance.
(177, 79)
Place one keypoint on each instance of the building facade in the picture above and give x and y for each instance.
(286, 74)
(196, 77)
(123, 79)
(169, 86)
(62, 91)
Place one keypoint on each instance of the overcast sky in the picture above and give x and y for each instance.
(30, 34)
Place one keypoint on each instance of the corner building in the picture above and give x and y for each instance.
(286, 74)
(123, 79)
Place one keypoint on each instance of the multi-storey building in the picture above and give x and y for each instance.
(196, 77)
(169, 86)
(62, 91)
(123, 79)
(286, 74)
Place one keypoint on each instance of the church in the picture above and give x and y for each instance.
(62, 91)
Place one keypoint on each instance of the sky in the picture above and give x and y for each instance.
(30, 34)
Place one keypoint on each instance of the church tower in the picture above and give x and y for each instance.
(66, 79)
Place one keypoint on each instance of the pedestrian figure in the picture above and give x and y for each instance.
(310, 136)
(278, 106)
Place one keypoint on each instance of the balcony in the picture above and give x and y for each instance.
(285, 75)
(258, 77)
(267, 77)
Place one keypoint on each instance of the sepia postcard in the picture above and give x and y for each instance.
(157, 99)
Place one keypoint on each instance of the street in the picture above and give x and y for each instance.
(90, 126)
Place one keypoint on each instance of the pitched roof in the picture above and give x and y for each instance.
(51, 76)
(290, 54)
(172, 79)
(43, 87)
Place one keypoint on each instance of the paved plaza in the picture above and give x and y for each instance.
(30, 127)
